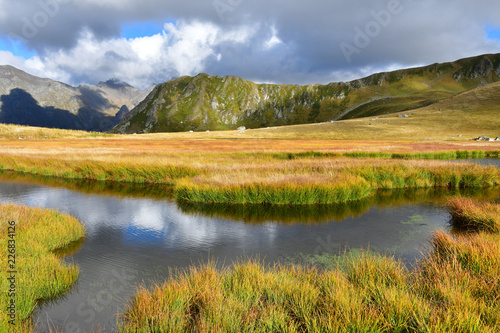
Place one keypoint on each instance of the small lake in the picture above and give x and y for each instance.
(136, 235)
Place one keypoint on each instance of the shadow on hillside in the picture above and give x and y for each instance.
(20, 108)
(94, 99)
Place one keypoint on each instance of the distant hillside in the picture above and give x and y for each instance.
(29, 100)
(465, 116)
(212, 103)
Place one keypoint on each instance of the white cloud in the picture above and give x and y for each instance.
(274, 40)
(181, 49)
(7, 57)
(147, 48)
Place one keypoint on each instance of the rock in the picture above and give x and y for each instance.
(460, 135)
(482, 138)
(403, 116)
(242, 128)
(497, 139)
(191, 131)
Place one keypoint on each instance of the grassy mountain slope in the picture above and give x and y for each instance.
(462, 117)
(212, 103)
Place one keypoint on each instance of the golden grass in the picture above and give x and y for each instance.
(469, 213)
(455, 288)
(40, 274)
(248, 177)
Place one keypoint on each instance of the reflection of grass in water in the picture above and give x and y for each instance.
(71, 249)
(327, 213)
(117, 189)
(281, 214)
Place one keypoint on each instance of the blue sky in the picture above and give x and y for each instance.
(141, 29)
(279, 41)
(16, 47)
(493, 33)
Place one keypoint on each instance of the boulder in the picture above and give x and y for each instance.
(482, 138)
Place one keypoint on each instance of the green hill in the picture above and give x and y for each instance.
(213, 103)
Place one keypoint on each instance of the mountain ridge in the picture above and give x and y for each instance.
(26, 99)
(206, 102)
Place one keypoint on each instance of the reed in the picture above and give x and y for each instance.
(40, 273)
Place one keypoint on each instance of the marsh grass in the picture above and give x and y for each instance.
(455, 288)
(468, 213)
(437, 155)
(253, 178)
(321, 183)
(40, 273)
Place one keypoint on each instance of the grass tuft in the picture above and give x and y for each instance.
(40, 273)
(468, 213)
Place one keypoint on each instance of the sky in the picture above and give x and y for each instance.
(146, 42)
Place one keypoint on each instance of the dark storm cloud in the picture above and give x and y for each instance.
(314, 41)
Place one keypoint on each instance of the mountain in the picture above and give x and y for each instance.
(29, 100)
(464, 116)
(209, 102)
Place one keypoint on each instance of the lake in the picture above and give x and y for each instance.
(136, 235)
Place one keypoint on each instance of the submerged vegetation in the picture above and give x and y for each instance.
(40, 274)
(453, 289)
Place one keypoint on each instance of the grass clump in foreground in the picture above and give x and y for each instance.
(40, 273)
(455, 288)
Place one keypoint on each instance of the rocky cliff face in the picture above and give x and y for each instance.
(209, 102)
(30, 100)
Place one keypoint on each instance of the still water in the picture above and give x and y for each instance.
(136, 236)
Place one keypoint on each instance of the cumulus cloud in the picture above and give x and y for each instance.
(182, 49)
(266, 41)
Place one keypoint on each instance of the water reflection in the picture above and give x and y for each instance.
(328, 213)
(136, 235)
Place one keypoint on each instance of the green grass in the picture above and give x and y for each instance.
(443, 155)
(452, 289)
(283, 194)
(92, 170)
(352, 184)
(40, 273)
(258, 178)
